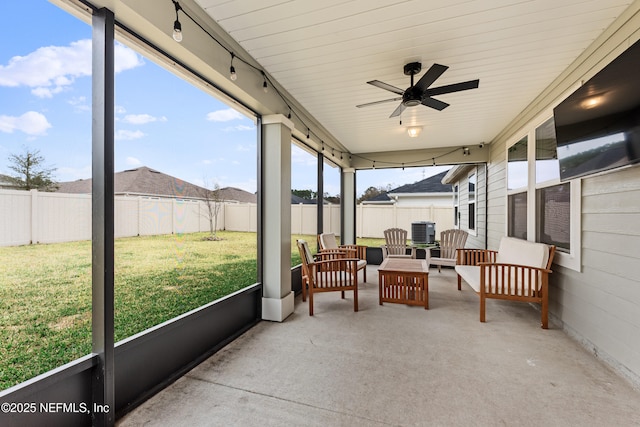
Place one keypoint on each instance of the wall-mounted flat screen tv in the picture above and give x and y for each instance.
(598, 126)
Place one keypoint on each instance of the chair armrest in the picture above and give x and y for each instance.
(513, 266)
(475, 256)
(360, 250)
(413, 252)
(329, 254)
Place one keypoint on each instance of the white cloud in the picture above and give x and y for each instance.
(71, 174)
(141, 119)
(224, 115)
(240, 128)
(119, 109)
(52, 69)
(249, 185)
(31, 123)
(127, 135)
(79, 103)
(132, 161)
(125, 58)
(301, 157)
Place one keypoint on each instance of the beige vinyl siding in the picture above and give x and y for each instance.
(476, 237)
(496, 200)
(601, 304)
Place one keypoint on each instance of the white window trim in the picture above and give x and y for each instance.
(456, 204)
(573, 259)
(474, 231)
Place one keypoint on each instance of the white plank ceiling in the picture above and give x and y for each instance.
(324, 52)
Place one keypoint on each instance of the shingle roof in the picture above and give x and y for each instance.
(382, 197)
(296, 200)
(6, 182)
(150, 182)
(433, 184)
(237, 194)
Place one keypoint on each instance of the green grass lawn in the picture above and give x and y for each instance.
(45, 292)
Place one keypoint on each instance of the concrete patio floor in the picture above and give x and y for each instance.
(400, 366)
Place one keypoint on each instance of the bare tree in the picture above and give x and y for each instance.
(372, 192)
(213, 202)
(31, 172)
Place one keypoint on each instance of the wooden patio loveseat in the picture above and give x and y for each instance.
(518, 271)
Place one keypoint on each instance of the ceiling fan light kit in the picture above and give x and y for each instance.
(414, 131)
(421, 92)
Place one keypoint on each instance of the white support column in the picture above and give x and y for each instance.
(277, 296)
(348, 204)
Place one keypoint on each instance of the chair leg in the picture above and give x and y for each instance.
(459, 283)
(304, 290)
(355, 298)
(310, 302)
(365, 273)
(544, 314)
(439, 268)
(482, 308)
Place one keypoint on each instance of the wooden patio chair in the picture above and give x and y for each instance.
(450, 240)
(396, 244)
(335, 273)
(327, 242)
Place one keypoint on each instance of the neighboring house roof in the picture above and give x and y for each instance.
(150, 182)
(433, 184)
(382, 198)
(237, 194)
(6, 182)
(296, 200)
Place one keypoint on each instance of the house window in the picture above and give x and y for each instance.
(517, 166)
(547, 165)
(472, 201)
(517, 219)
(539, 207)
(517, 182)
(456, 198)
(553, 216)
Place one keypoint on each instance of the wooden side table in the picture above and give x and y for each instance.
(404, 281)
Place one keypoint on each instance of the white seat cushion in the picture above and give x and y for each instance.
(522, 252)
(470, 274)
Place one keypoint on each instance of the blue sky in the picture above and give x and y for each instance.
(161, 121)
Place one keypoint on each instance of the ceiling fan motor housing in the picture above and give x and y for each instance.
(412, 97)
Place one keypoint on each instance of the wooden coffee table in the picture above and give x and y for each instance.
(404, 281)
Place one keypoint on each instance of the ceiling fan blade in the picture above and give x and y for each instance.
(430, 76)
(386, 86)
(434, 103)
(398, 110)
(456, 87)
(378, 102)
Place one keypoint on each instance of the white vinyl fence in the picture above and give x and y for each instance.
(38, 217)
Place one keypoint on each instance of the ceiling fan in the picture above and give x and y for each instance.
(420, 93)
